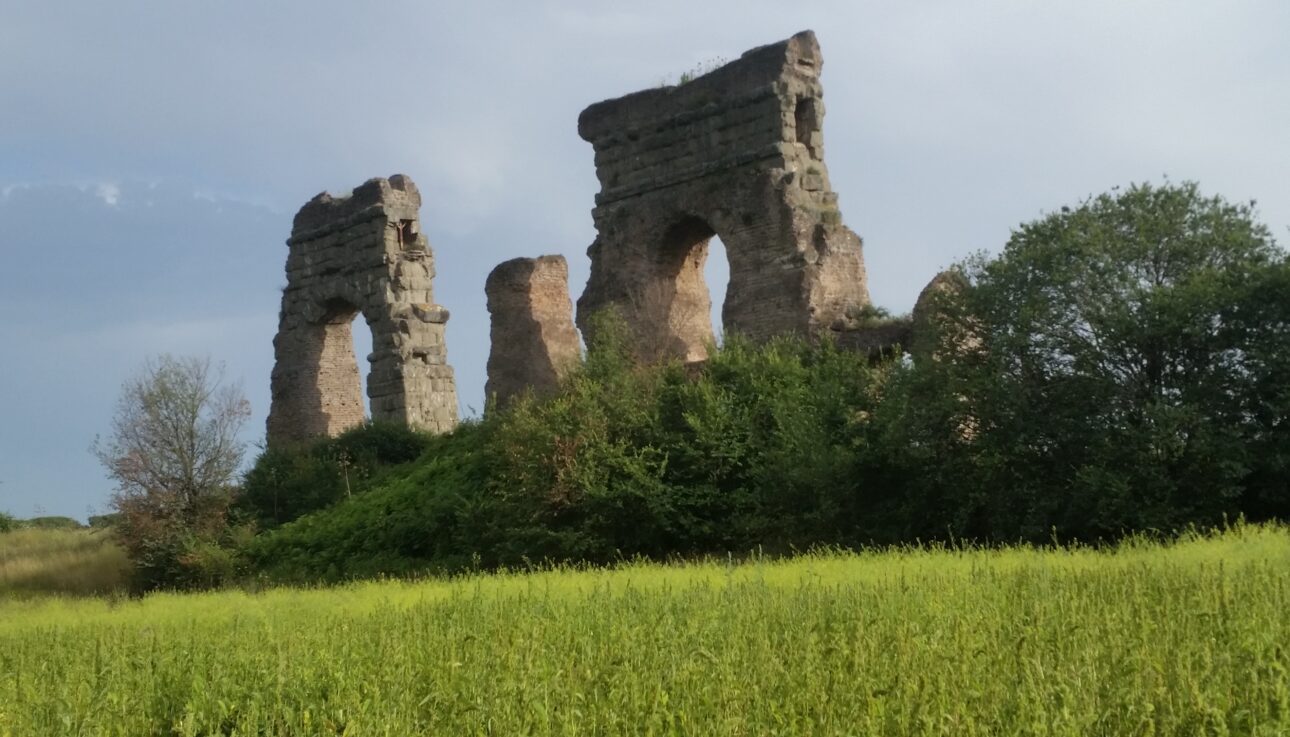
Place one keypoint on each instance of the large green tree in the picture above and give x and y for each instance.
(1120, 365)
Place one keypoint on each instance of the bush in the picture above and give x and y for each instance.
(103, 521)
(7, 522)
(288, 482)
(430, 516)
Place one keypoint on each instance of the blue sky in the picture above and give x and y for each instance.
(152, 155)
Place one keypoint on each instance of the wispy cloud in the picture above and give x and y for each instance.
(8, 189)
(108, 192)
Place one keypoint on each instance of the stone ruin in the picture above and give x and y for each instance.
(534, 343)
(360, 254)
(737, 153)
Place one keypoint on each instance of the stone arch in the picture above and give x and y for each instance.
(672, 303)
(360, 253)
(740, 149)
(339, 373)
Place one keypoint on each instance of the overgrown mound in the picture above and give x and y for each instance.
(756, 448)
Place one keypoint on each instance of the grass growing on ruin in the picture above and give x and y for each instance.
(1187, 638)
(61, 561)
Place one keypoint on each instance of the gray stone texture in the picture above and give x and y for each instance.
(534, 342)
(360, 254)
(737, 153)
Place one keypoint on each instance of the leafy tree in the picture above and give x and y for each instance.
(1119, 366)
(7, 522)
(173, 452)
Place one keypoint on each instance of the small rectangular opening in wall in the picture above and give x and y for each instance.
(806, 121)
(408, 232)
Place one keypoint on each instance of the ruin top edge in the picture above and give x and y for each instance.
(753, 74)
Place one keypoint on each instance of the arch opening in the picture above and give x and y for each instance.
(676, 314)
(341, 380)
(716, 274)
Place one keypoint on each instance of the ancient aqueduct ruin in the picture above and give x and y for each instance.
(737, 153)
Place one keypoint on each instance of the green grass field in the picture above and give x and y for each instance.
(1187, 639)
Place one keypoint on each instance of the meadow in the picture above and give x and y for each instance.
(1185, 638)
(36, 561)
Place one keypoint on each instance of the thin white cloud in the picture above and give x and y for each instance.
(108, 192)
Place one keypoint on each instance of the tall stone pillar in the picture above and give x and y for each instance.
(534, 343)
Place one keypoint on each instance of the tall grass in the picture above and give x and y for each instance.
(61, 561)
(1146, 639)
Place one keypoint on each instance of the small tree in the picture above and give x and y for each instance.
(173, 453)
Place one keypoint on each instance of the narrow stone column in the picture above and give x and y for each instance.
(534, 343)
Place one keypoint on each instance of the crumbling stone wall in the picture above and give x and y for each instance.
(737, 153)
(360, 254)
(534, 343)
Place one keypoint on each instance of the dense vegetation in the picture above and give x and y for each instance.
(1143, 640)
(1121, 366)
(755, 450)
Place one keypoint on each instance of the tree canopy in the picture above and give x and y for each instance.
(1120, 365)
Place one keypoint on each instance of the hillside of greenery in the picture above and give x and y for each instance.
(1144, 639)
(1121, 366)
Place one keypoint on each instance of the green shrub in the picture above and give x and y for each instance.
(288, 482)
(756, 447)
(432, 515)
(100, 521)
